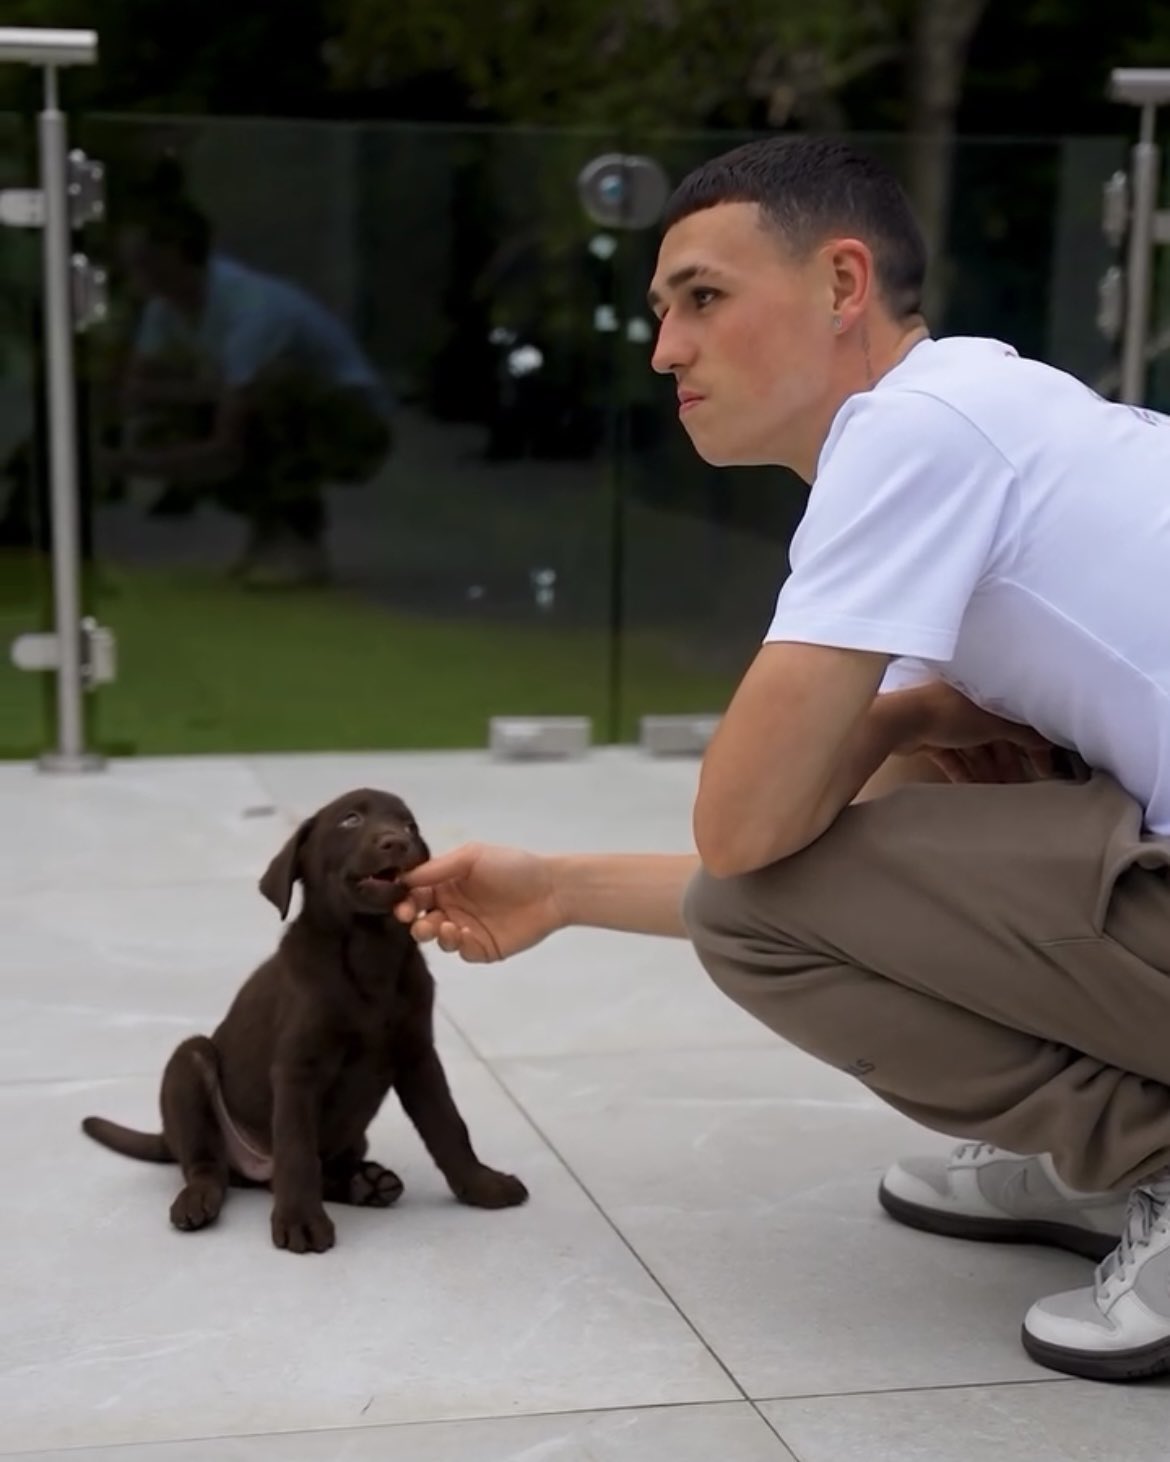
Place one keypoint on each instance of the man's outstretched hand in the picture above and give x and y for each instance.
(482, 902)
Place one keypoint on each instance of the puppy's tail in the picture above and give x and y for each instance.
(145, 1146)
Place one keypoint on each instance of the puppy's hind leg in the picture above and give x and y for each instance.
(193, 1133)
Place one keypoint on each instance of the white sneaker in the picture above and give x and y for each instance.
(1118, 1328)
(982, 1192)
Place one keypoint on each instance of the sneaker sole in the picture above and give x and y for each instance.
(1128, 1365)
(1085, 1242)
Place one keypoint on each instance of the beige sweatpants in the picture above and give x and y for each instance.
(991, 960)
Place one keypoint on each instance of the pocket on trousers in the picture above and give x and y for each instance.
(1116, 1007)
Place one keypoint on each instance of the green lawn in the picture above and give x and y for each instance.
(207, 667)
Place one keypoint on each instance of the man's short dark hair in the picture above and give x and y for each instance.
(810, 188)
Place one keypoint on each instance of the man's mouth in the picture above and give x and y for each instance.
(687, 399)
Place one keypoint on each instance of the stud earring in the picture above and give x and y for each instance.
(836, 322)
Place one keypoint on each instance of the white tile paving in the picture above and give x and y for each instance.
(746, 1181)
(1068, 1421)
(663, 1434)
(702, 1270)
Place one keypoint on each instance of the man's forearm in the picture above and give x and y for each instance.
(635, 893)
(870, 759)
(642, 893)
(815, 797)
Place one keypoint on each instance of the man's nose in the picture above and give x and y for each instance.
(672, 350)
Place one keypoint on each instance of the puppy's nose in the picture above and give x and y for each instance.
(395, 845)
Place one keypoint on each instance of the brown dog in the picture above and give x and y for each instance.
(284, 1090)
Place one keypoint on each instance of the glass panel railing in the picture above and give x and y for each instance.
(26, 705)
(322, 592)
(535, 534)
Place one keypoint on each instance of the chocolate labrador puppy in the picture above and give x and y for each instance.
(283, 1091)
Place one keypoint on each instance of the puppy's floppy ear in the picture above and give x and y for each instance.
(284, 870)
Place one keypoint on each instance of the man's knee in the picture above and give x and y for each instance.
(700, 903)
(740, 929)
(715, 914)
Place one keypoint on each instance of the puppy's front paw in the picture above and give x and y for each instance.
(197, 1205)
(302, 1231)
(485, 1188)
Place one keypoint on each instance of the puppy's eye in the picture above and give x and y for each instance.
(351, 819)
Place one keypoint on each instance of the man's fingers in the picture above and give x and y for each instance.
(420, 902)
(425, 928)
(1015, 759)
(1007, 762)
(435, 928)
(454, 939)
(952, 765)
(422, 896)
(443, 869)
(980, 764)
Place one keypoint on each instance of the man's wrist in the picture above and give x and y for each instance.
(565, 878)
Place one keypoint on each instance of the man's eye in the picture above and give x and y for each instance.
(351, 819)
(702, 297)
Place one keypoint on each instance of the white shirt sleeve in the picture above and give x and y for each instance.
(904, 674)
(911, 508)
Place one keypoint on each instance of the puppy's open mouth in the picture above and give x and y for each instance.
(388, 877)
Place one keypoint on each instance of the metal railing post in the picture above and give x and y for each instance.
(1132, 214)
(62, 418)
(61, 204)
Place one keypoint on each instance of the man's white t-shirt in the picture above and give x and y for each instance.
(992, 521)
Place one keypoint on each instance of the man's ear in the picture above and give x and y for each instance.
(284, 870)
